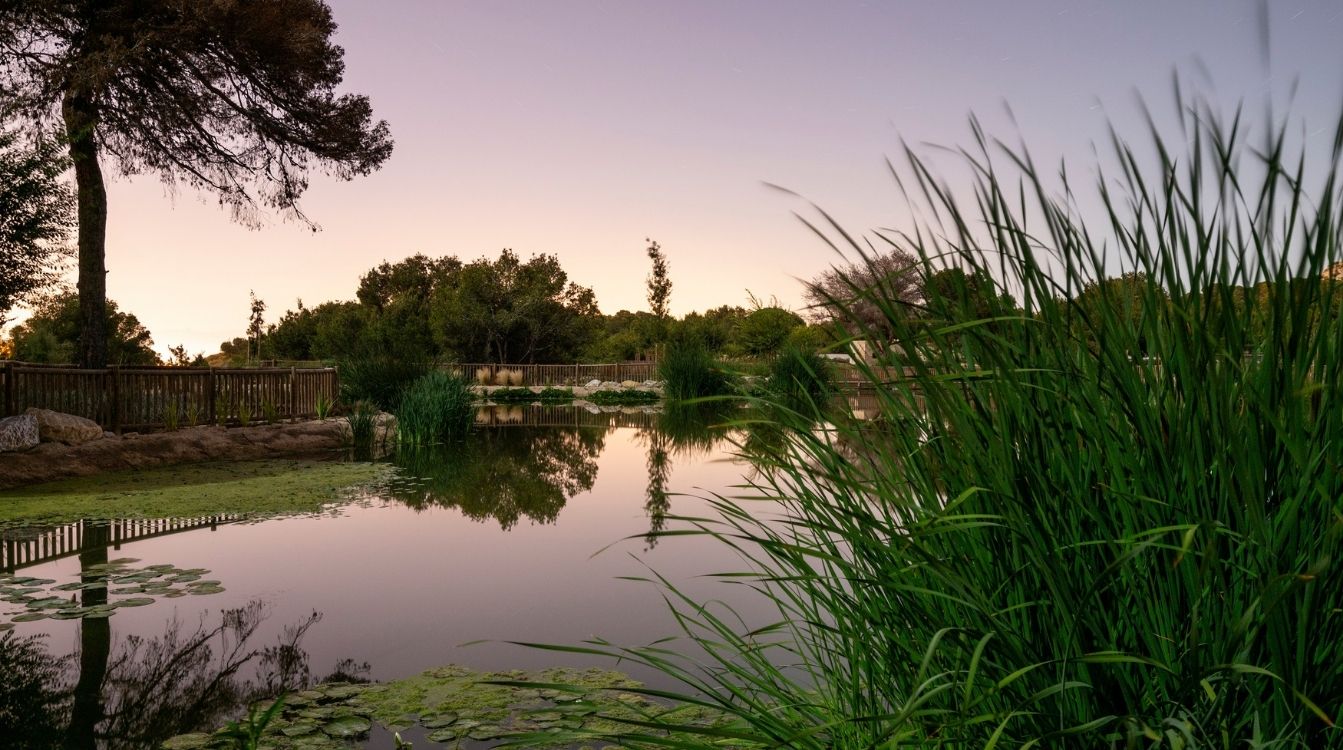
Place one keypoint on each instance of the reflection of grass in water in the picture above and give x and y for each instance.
(505, 474)
(253, 488)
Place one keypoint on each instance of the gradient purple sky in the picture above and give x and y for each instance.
(581, 127)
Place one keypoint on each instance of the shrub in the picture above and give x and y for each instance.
(483, 375)
(378, 379)
(515, 377)
(801, 380)
(688, 371)
(511, 395)
(1111, 525)
(436, 408)
(553, 395)
(501, 377)
(625, 397)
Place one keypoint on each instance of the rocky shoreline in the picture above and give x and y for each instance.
(52, 460)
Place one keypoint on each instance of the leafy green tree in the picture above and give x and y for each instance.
(236, 98)
(399, 294)
(659, 288)
(507, 310)
(764, 331)
(863, 298)
(36, 216)
(952, 294)
(52, 334)
(712, 328)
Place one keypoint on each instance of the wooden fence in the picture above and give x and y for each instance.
(136, 398)
(560, 374)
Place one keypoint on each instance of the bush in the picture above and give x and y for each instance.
(801, 380)
(687, 371)
(1110, 525)
(435, 409)
(511, 395)
(626, 397)
(377, 379)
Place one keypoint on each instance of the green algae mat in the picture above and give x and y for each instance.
(456, 706)
(251, 489)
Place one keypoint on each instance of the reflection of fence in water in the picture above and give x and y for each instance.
(561, 416)
(21, 548)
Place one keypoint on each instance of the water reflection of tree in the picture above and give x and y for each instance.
(34, 695)
(151, 688)
(504, 473)
(683, 430)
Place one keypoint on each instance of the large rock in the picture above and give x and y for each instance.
(628, 384)
(19, 433)
(55, 427)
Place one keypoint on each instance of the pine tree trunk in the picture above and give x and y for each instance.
(81, 119)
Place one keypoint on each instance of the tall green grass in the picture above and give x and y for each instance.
(1112, 518)
(437, 408)
(380, 379)
(801, 380)
(688, 371)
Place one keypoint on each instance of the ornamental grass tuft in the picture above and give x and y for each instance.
(1111, 517)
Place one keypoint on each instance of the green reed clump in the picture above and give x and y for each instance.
(800, 379)
(381, 379)
(1109, 518)
(435, 409)
(689, 371)
(361, 428)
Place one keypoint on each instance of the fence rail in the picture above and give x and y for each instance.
(558, 374)
(134, 398)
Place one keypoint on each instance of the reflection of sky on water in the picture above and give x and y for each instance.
(403, 588)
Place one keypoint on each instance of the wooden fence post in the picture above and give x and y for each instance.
(293, 393)
(9, 390)
(114, 385)
(210, 396)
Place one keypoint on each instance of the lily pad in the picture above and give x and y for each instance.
(298, 730)
(134, 602)
(347, 726)
(29, 617)
(438, 721)
(485, 733)
(442, 735)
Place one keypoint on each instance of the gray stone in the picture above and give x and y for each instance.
(628, 384)
(55, 427)
(594, 383)
(18, 433)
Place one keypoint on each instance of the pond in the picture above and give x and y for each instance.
(520, 535)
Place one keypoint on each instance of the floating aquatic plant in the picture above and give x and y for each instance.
(43, 598)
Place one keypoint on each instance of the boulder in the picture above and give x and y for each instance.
(594, 383)
(18, 433)
(628, 384)
(55, 427)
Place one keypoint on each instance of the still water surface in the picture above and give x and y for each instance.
(519, 536)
